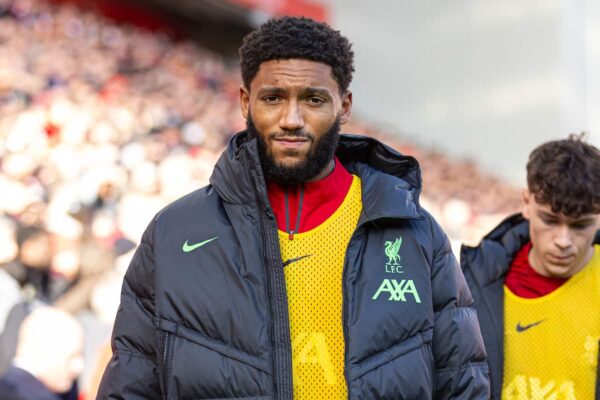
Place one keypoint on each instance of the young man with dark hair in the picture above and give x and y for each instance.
(307, 268)
(536, 280)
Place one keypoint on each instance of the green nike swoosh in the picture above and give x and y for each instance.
(190, 247)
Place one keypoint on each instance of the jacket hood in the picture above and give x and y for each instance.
(391, 182)
(364, 156)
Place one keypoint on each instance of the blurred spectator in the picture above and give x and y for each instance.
(48, 358)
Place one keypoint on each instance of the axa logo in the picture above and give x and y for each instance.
(392, 250)
(528, 387)
(397, 290)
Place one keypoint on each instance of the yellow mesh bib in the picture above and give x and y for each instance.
(314, 262)
(551, 343)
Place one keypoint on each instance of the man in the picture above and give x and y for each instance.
(48, 358)
(535, 280)
(356, 295)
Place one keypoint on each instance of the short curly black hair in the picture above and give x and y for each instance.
(297, 37)
(565, 174)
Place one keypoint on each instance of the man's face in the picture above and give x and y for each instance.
(562, 245)
(294, 108)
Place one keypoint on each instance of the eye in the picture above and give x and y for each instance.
(315, 101)
(271, 99)
(581, 226)
(549, 221)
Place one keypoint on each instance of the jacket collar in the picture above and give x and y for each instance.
(391, 182)
(235, 169)
(489, 261)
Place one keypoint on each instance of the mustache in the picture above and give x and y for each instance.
(298, 133)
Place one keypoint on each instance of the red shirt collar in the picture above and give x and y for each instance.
(525, 282)
(321, 199)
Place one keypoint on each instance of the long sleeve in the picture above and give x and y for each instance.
(132, 372)
(461, 370)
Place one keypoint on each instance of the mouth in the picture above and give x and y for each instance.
(291, 142)
(561, 260)
(291, 139)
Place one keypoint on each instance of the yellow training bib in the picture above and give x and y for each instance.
(551, 342)
(313, 263)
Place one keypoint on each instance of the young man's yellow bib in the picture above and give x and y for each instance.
(551, 342)
(314, 262)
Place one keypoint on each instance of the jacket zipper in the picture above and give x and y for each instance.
(270, 296)
(433, 380)
(278, 365)
(165, 359)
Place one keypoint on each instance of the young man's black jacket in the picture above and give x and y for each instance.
(212, 323)
(485, 268)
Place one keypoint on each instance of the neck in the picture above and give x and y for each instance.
(325, 171)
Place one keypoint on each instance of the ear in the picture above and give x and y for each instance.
(527, 199)
(244, 101)
(346, 111)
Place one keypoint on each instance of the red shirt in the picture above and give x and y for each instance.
(525, 282)
(319, 201)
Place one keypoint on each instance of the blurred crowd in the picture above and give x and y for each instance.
(103, 124)
(466, 200)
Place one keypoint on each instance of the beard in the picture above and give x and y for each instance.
(320, 154)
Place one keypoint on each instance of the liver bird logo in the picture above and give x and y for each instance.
(392, 249)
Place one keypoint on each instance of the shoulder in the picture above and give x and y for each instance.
(199, 205)
(489, 260)
(202, 197)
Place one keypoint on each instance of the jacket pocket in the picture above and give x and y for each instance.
(405, 368)
(394, 352)
(195, 366)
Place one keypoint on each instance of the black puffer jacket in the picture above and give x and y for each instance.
(485, 268)
(213, 323)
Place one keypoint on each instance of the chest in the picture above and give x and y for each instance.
(551, 343)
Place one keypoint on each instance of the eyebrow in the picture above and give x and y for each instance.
(322, 91)
(270, 90)
(317, 90)
(583, 220)
(548, 215)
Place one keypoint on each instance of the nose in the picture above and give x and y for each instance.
(562, 237)
(291, 118)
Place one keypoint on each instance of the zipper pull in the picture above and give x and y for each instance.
(291, 235)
